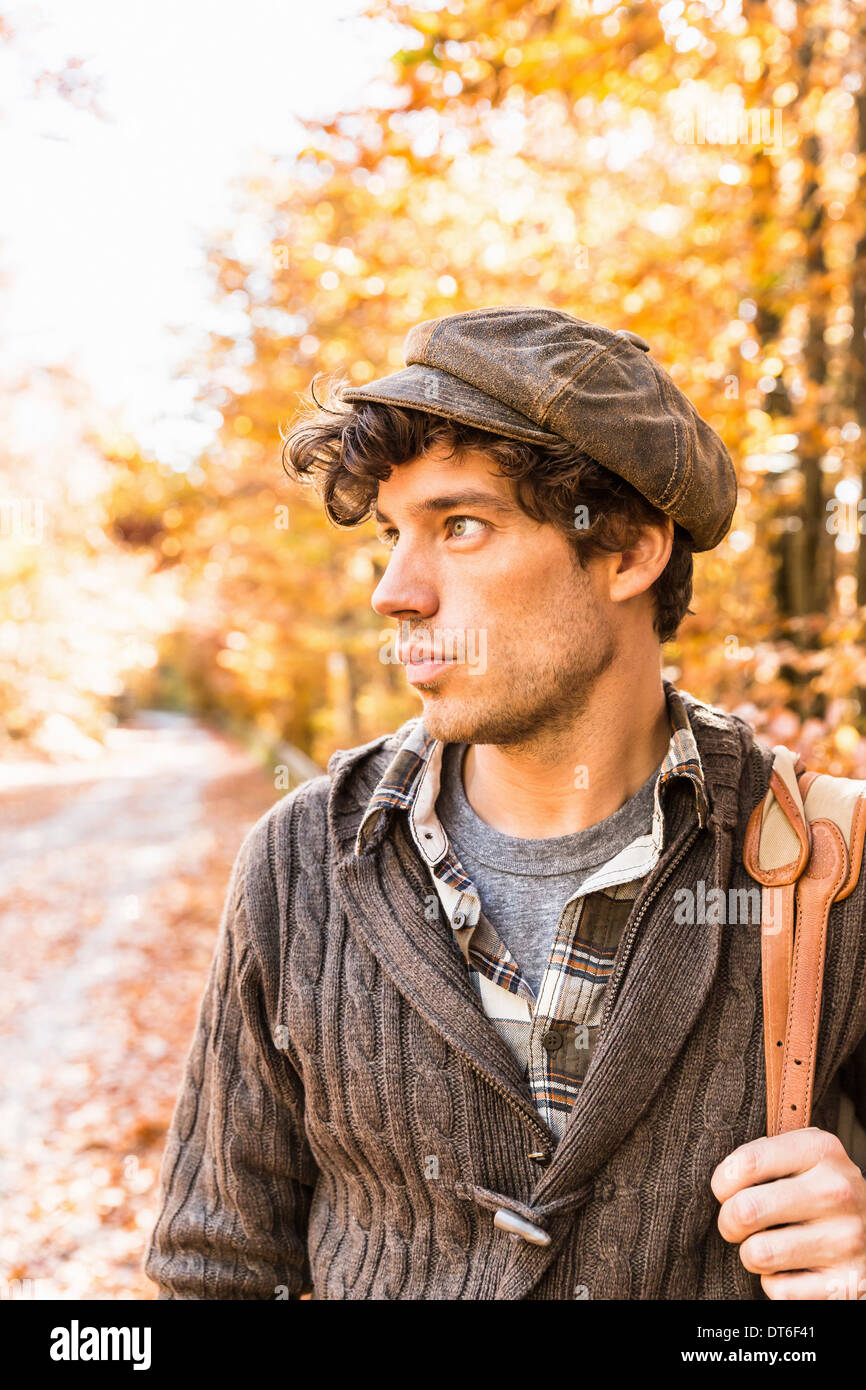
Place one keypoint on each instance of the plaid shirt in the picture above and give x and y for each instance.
(552, 1036)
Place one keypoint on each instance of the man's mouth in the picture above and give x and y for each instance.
(424, 659)
(420, 650)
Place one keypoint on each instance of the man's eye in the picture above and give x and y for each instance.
(390, 535)
(461, 535)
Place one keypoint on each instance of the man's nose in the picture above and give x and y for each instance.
(403, 589)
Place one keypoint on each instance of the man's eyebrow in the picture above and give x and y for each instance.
(472, 497)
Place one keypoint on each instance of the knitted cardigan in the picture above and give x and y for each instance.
(349, 1120)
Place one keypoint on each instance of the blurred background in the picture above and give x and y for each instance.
(205, 205)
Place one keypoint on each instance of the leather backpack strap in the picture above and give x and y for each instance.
(816, 889)
(777, 938)
(827, 814)
(836, 810)
(775, 852)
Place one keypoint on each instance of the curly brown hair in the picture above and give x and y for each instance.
(345, 449)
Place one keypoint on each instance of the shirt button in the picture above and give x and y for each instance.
(459, 919)
(551, 1041)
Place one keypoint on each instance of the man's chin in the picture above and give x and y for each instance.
(439, 712)
(448, 718)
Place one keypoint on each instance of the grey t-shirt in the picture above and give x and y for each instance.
(524, 884)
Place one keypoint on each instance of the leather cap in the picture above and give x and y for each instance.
(541, 375)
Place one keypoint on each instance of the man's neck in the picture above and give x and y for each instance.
(577, 778)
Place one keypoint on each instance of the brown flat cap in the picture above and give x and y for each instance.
(541, 375)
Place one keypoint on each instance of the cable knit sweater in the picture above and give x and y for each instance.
(349, 1120)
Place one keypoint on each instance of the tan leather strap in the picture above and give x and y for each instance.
(775, 852)
(816, 889)
(806, 856)
(777, 843)
(777, 933)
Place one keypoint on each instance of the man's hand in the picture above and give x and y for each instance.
(817, 1204)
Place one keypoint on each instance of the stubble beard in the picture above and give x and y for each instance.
(533, 703)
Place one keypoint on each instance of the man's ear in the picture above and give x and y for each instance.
(636, 569)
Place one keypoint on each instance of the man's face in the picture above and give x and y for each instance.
(525, 632)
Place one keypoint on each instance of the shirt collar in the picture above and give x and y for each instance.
(411, 780)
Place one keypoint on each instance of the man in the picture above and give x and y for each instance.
(458, 1041)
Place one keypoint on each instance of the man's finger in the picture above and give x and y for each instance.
(814, 1284)
(779, 1156)
(821, 1191)
(806, 1246)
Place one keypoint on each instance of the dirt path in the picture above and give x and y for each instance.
(112, 876)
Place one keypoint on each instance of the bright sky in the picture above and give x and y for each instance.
(103, 221)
